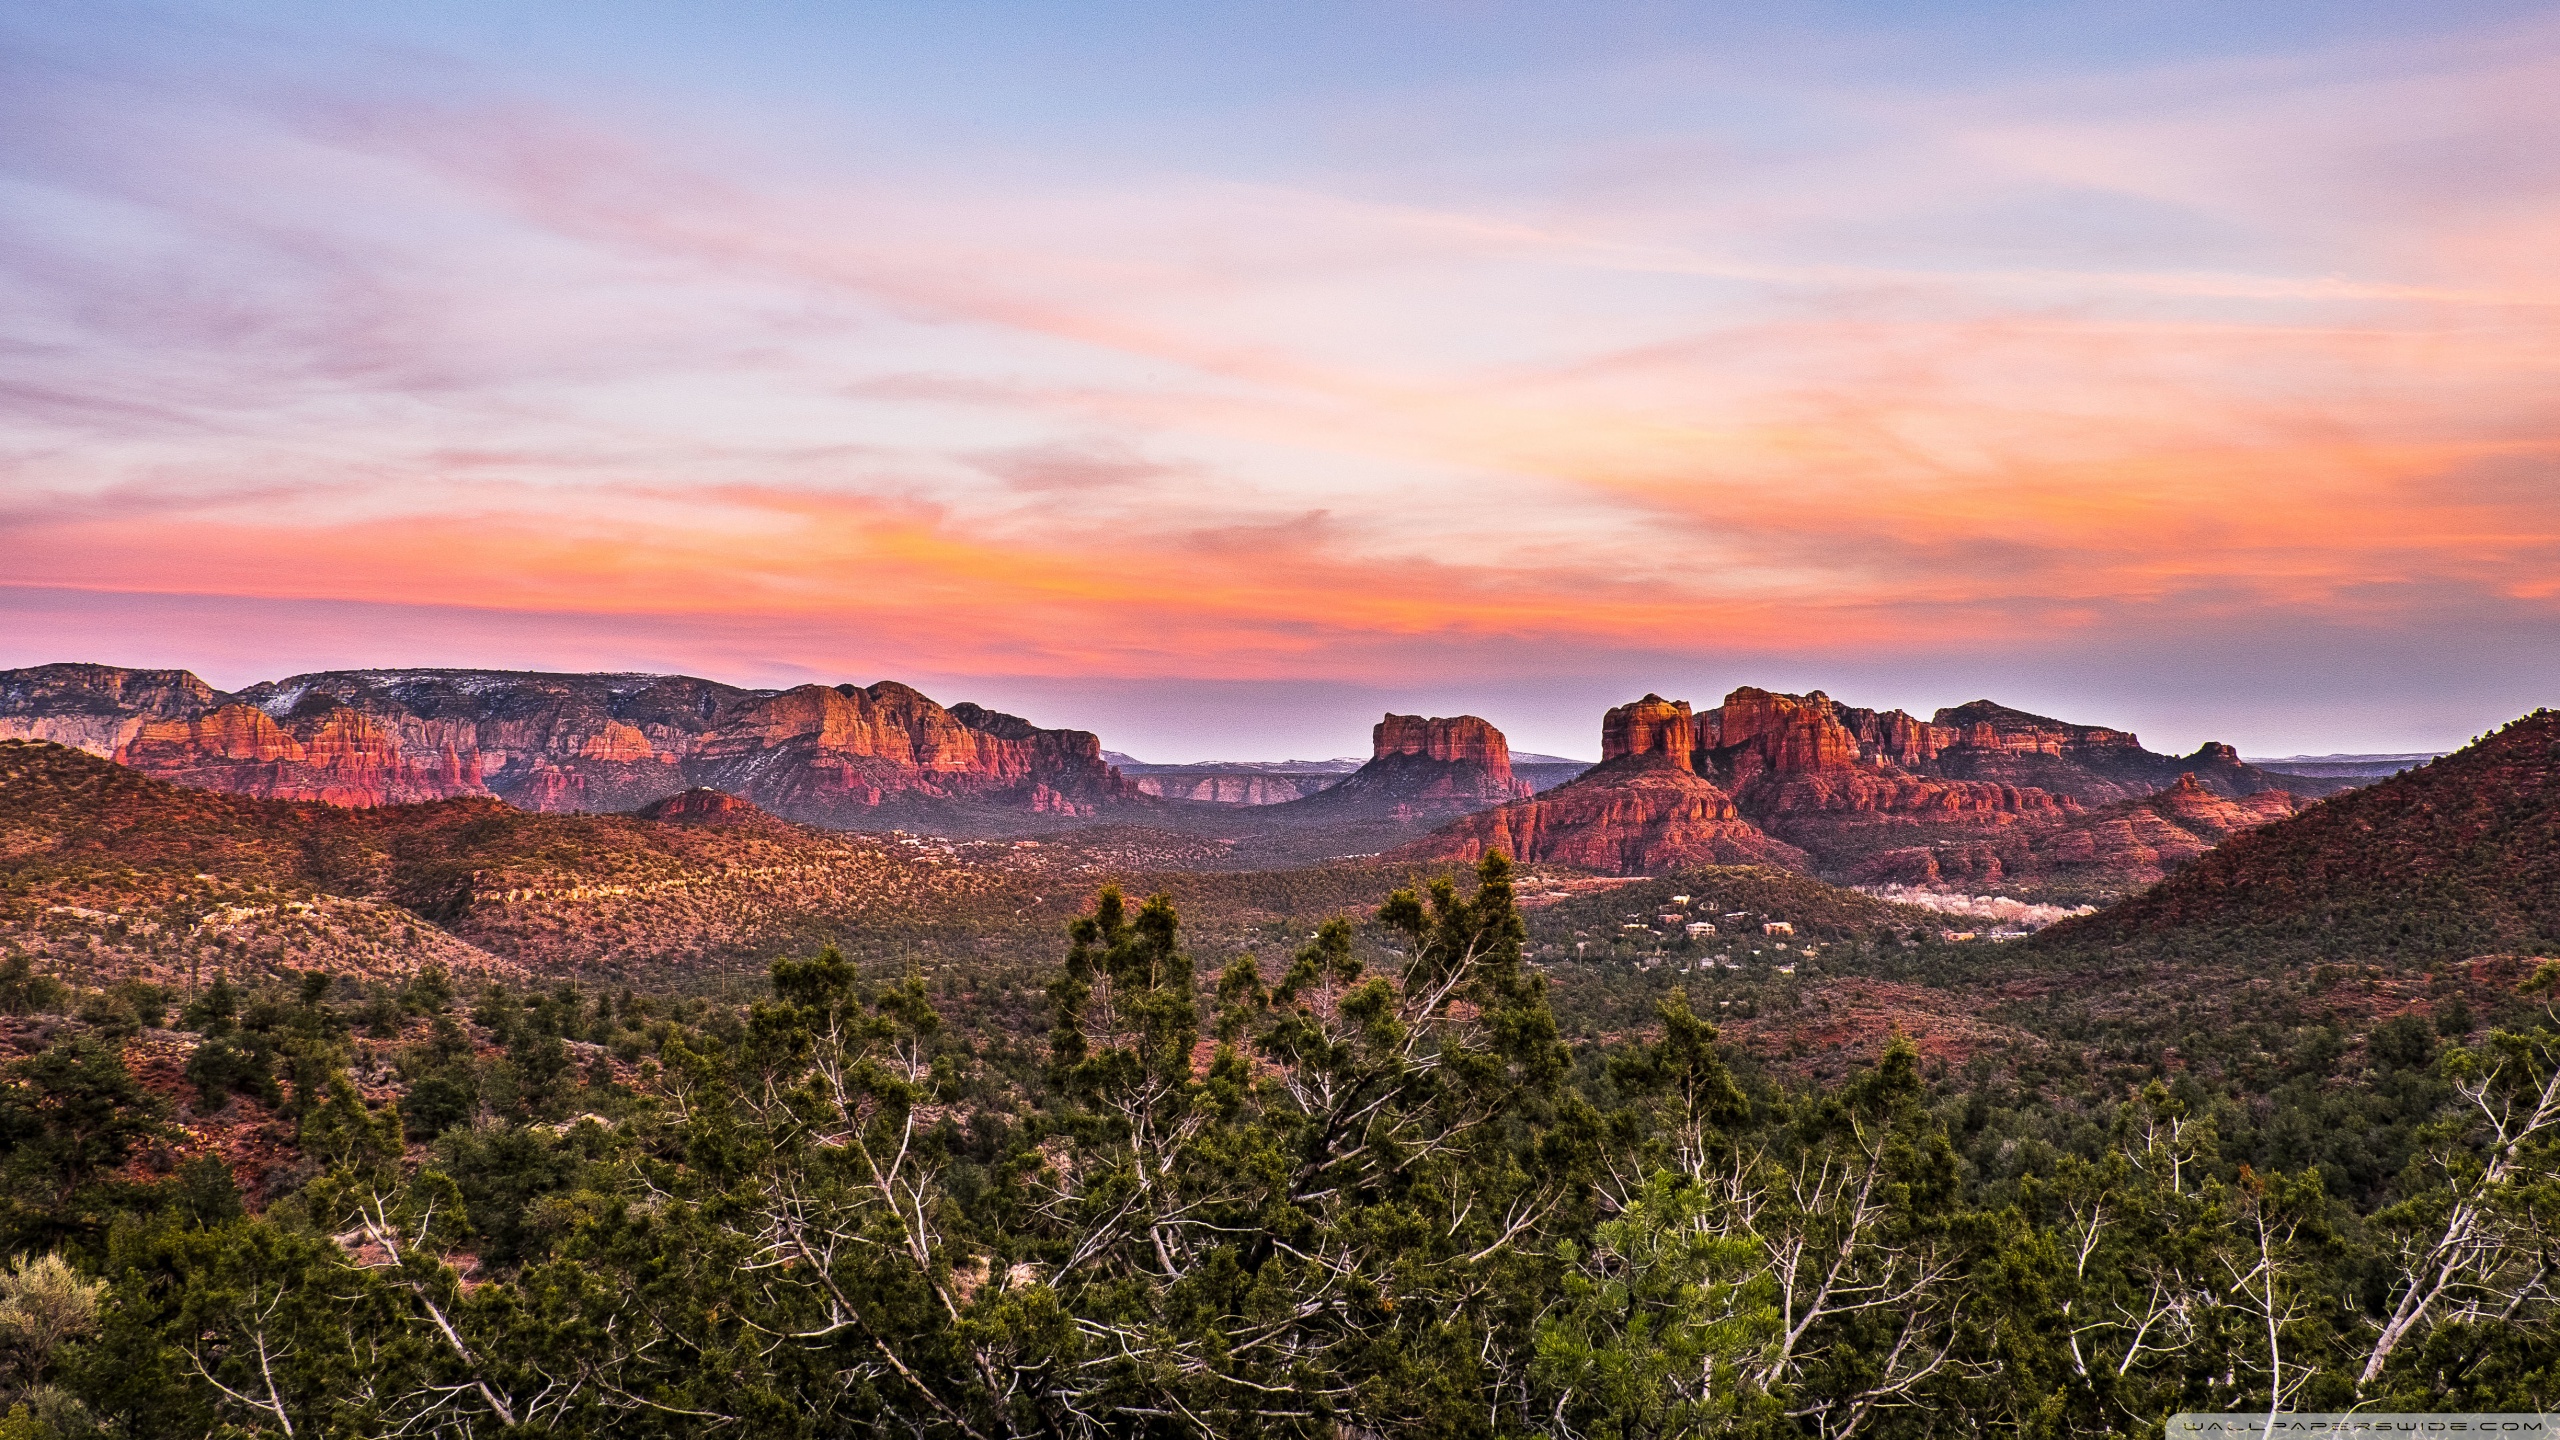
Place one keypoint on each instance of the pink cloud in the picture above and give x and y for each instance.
(1900, 395)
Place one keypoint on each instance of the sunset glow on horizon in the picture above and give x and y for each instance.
(1215, 384)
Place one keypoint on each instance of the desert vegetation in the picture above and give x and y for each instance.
(1371, 1182)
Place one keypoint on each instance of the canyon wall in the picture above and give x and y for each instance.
(831, 755)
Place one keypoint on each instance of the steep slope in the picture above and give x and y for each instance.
(2133, 842)
(1420, 770)
(843, 756)
(1980, 793)
(96, 708)
(2457, 858)
(1641, 810)
(106, 872)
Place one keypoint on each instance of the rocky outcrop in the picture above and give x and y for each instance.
(1976, 794)
(1642, 809)
(1970, 792)
(2092, 764)
(331, 753)
(842, 755)
(1623, 817)
(1650, 726)
(1420, 772)
(1842, 783)
(97, 708)
(1423, 770)
(2141, 841)
(1458, 740)
(835, 755)
(702, 806)
(2126, 845)
(1756, 731)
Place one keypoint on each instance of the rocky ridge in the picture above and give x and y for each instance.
(1421, 772)
(2130, 843)
(2455, 859)
(1979, 791)
(1644, 808)
(844, 755)
(1976, 794)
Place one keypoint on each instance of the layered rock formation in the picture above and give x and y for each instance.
(1216, 785)
(96, 708)
(841, 755)
(1644, 808)
(2127, 844)
(1419, 770)
(1842, 782)
(1975, 795)
(327, 752)
(1979, 788)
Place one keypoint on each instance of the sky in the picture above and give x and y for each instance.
(1217, 377)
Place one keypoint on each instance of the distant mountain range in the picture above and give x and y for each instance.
(106, 872)
(1976, 796)
(2346, 767)
(845, 756)
(1277, 782)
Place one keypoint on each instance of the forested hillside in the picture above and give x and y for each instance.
(1342, 1190)
(2459, 857)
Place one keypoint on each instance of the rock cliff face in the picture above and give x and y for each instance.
(2129, 844)
(1842, 782)
(1420, 771)
(1972, 784)
(1976, 794)
(331, 753)
(96, 708)
(844, 755)
(1642, 809)
(1460, 740)
(1626, 817)
(1650, 726)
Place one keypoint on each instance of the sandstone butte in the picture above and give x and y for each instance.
(1643, 808)
(1419, 771)
(1975, 792)
(835, 755)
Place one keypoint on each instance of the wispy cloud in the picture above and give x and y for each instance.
(2231, 345)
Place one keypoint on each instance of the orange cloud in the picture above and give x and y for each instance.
(1904, 396)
